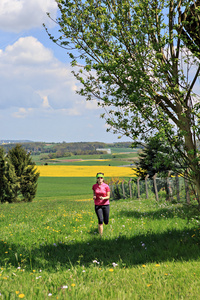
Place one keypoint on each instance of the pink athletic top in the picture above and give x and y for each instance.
(101, 191)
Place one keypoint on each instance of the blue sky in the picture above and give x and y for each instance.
(38, 92)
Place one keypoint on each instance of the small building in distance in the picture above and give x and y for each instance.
(108, 151)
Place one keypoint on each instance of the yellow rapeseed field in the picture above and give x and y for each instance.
(84, 171)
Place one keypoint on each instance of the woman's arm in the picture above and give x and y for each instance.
(107, 196)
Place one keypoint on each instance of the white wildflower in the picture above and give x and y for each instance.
(114, 264)
(95, 262)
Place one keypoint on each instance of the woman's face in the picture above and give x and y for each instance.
(100, 180)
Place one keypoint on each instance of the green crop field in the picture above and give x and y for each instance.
(124, 150)
(50, 248)
(89, 163)
(119, 156)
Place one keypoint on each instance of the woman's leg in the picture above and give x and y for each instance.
(106, 212)
(100, 229)
(99, 212)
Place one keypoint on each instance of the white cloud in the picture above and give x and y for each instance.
(45, 103)
(33, 80)
(27, 51)
(19, 15)
(22, 113)
(93, 104)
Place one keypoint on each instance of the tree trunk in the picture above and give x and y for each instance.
(191, 149)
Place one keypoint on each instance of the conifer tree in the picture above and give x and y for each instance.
(28, 183)
(26, 173)
(2, 177)
(11, 183)
(158, 157)
(8, 179)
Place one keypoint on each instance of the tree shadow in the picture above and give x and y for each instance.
(156, 214)
(172, 245)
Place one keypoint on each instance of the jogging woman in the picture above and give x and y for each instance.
(101, 195)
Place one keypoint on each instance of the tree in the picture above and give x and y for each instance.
(11, 184)
(191, 27)
(26, 173)
(8, 179)
(133, 56)
(2, 172)
(156, 157)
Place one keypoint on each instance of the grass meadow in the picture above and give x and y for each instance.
(50, 248)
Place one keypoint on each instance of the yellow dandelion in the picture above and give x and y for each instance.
(73, 284)
(144, 266)
(17, 292)
(148, 285)
(111, 270)
(157, 265)
(21, 296)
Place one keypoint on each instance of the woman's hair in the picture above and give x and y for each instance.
(101, 175)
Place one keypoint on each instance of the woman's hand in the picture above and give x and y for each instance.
(94, 197)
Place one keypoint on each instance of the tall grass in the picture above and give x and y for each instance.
(51, 249)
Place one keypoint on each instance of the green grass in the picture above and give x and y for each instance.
(48, 248)
(65, 187)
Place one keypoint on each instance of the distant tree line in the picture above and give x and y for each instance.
(18, 175)
(55, 150)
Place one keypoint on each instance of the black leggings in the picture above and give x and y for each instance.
(102, 212)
